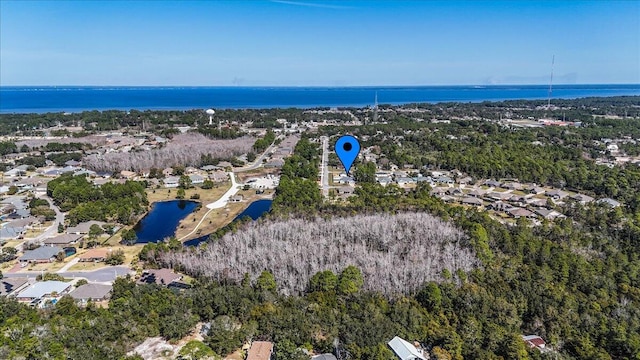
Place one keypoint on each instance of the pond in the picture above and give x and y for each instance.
(163, 219)
(255, 210)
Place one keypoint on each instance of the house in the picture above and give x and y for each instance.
(260, 350)
(226, 164)
(17, 171)
(444, 180)
(498, 206)
(609, 202)
(11, 232)
(548, 214)
(42, 254)
(94, 255)
(91, 292)
(512, 186)
(492, 183)
(535, 190)
(556, 194)
(582, 199)
(159, 276)
(167, 172)
(499, 195)
(324, 357)
(196, 179)
(83, 228)
(218, 176)
(520, 212)
(477, 193)
(465, 180)
(402, 181)
(345, 190)
(535, 342)
(127, 174)
(23, 223)
(405, 350)
(171, 182)
(472, 201)
(63, 240)
(43, 289)
(12, 286)
(275, 163)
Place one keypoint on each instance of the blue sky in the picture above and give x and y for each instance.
(324, 43)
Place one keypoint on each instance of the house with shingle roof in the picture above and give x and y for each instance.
(63, 240)
(91, 292)
(42, 289)
(40, 255)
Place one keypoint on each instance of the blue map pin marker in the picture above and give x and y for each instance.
(347, 149)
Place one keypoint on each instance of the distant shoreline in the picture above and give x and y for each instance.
(75, 99)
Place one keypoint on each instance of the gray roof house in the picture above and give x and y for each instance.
(609, 201)
(63, 239)
(41, 254)
(83, 228)
(93, 292)
(12, 286)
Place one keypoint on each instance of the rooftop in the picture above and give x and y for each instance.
(260, 350)
(43, 288)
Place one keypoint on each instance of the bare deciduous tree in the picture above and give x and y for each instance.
(184, 149)
(396, 253)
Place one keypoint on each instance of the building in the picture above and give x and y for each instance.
(40, 255)
(260, 350)
(324, 357)
(159, 276)
(535, 342)
(171, 182)
(196, 179)
(609, 202)
(94, 255)
(91, 292)
(12, 286)
(63, 240)
(83, 228)
(43, 289)
(405, 350)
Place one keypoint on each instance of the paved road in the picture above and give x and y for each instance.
(106, 274)
(52, 230)
(324, 167)
(258, 163)
(222, 202)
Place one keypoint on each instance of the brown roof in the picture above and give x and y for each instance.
(95, 254)
(260, 350)
(63, 239)
(160, 277)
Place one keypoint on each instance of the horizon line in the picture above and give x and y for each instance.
(315, 86)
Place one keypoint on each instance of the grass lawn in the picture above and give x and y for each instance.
(130, 253)
(218, 218)
(31, 233)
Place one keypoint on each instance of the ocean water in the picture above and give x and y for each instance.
(34, 99)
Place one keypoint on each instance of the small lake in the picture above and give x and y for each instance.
(255, 210)
(163, 219)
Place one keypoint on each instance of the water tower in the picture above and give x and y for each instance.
(210, 112)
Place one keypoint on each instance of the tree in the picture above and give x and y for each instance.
(81, 282)
(350, 280)
(365, 173)
(129, 237)
(185, 182)
(323, 281)
(266, 282)
(115, 258)
(95, 230)
(8, 253)
(60, 228)
(195, 350)
(207, 184)
(180, 194)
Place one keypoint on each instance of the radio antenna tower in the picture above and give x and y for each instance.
(553, 60)
(375, 109)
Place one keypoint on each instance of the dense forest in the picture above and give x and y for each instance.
(111, 202)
